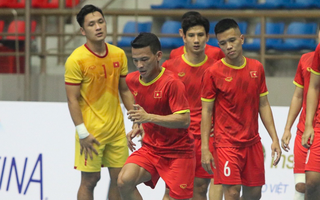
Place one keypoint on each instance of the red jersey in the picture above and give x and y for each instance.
(211, 51)
(164, 95)
(316, 70)
(236, 93)
(190, 74)
(302, 80)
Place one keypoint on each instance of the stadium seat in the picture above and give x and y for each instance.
(8, 63)
(15, 4)
(273, 4)
(3, 3)
(295, 44)
(171, 27)
(205, 4)
(170, 4)
(131, 27)
(45, 3)
(238, 4)
(1, 28)
(21, 29)
(271, 28)
(72, 3)
(303, 4)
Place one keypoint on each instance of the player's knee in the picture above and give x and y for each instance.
(300, 187)
(200, 189)
(124, 182)
(90, 180)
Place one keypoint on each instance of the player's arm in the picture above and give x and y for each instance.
(86, 139)
(295, 107)
(125, 94)
(175, 120)
(267, 120)
(312, 103)
(206, 125)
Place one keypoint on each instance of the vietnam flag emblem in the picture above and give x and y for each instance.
(253, 74)
(116, 64)
(157, 94)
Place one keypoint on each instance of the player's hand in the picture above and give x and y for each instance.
(136, 130)
(207, 160)
(308, 134)
(286, 137)
(87, 146)
(275, 147)
(138, 115)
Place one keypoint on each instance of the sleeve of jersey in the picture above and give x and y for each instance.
(73, 73)
(177, 97)
(298, 79)
(124, 67)
(316, 61)
(263, 85)
(208, 89)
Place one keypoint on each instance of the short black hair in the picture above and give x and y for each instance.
(86, 10)
(190, 13)
(145, 40)
(195, 20)
(225, 24)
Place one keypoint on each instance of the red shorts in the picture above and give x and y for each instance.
(313, 156)
(300, 154)
(200, 172)
(240, 166)
(177, 173)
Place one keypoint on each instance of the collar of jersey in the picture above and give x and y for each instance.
(194, 65)
(107, 51)
(235, 67)
(154, 80)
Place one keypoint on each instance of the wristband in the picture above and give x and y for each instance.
(82, 131)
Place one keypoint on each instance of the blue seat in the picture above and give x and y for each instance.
(171, 27)
(243, 26)
(133, 27)
(295, 44)
(303, 4)
(273, 4)
(170, 4)
(271, 29)
(205, 4)
(239, 4)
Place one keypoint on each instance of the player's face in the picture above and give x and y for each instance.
(94, 27)
(195, 39)
(146, 62)
(230, 42)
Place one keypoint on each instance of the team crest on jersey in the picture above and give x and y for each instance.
(157, 94)
(253, 74)
(181, 74)
(135, 93)
(116, 64)
(228, 79)
(309, 69)
(183, 186)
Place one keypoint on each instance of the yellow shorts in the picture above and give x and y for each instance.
(112, 155)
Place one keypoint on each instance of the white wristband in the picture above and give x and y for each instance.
(82, 131)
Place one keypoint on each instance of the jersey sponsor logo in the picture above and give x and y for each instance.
(135, 93)
(183, 186)
(181, 74)
(116, 64)
(253, 74)
(309, 69)
(157, 94)
(228, 79)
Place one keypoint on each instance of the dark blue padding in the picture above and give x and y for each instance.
(172, 4)
(133, 27)
(296, 44)
(205, 4)
(171, 27)
(271, 29)
(239, 4)
(273, 4)
(303, 4)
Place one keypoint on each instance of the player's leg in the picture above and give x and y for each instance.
(114, 157)
(312, 185)
(90, 171)
(300, 155)
(200, 188)
(252, 175)
(166, 194)
(231, 192)
(215, 191)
